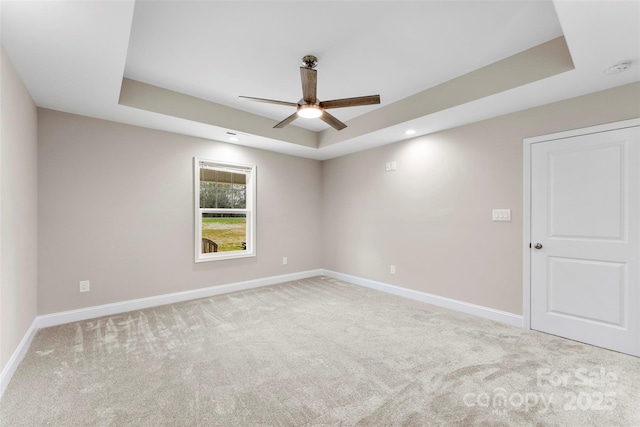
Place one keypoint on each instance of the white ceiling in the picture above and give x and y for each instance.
(73, 55)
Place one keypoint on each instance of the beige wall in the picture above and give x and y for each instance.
(432, 216)
(116, 208)
(18, 210)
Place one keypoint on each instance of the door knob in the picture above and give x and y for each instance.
(538, 246)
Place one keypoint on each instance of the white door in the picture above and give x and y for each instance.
(585, 238)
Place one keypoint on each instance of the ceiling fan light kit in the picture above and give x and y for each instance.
(309, 111)
(309, 106)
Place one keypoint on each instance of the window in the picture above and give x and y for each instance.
(224, 210)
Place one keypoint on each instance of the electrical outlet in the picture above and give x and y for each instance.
(84, 286)
(392, 269)
(284, 260)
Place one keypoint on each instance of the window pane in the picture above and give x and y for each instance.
(223, 232)
(222, 189)
(240, 194)
(207, 194)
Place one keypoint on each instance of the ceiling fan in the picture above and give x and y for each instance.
(309, 106)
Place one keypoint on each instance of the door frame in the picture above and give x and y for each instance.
(526, 199)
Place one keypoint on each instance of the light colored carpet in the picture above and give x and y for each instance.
(314, 352)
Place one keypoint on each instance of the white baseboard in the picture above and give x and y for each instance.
(15, 359)
(465, 307)
(61, 318)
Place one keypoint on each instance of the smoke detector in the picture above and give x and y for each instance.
(618, 68)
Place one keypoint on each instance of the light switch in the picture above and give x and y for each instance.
(501, 215)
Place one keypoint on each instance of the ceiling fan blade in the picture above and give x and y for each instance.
(286, 121)
(351, 102)
(270, 101)
(309, 78)
(332, 121)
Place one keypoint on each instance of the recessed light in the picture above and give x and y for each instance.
(410, 132)
(618, 68)
(234, 136)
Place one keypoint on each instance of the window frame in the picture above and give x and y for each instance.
(249, 211)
